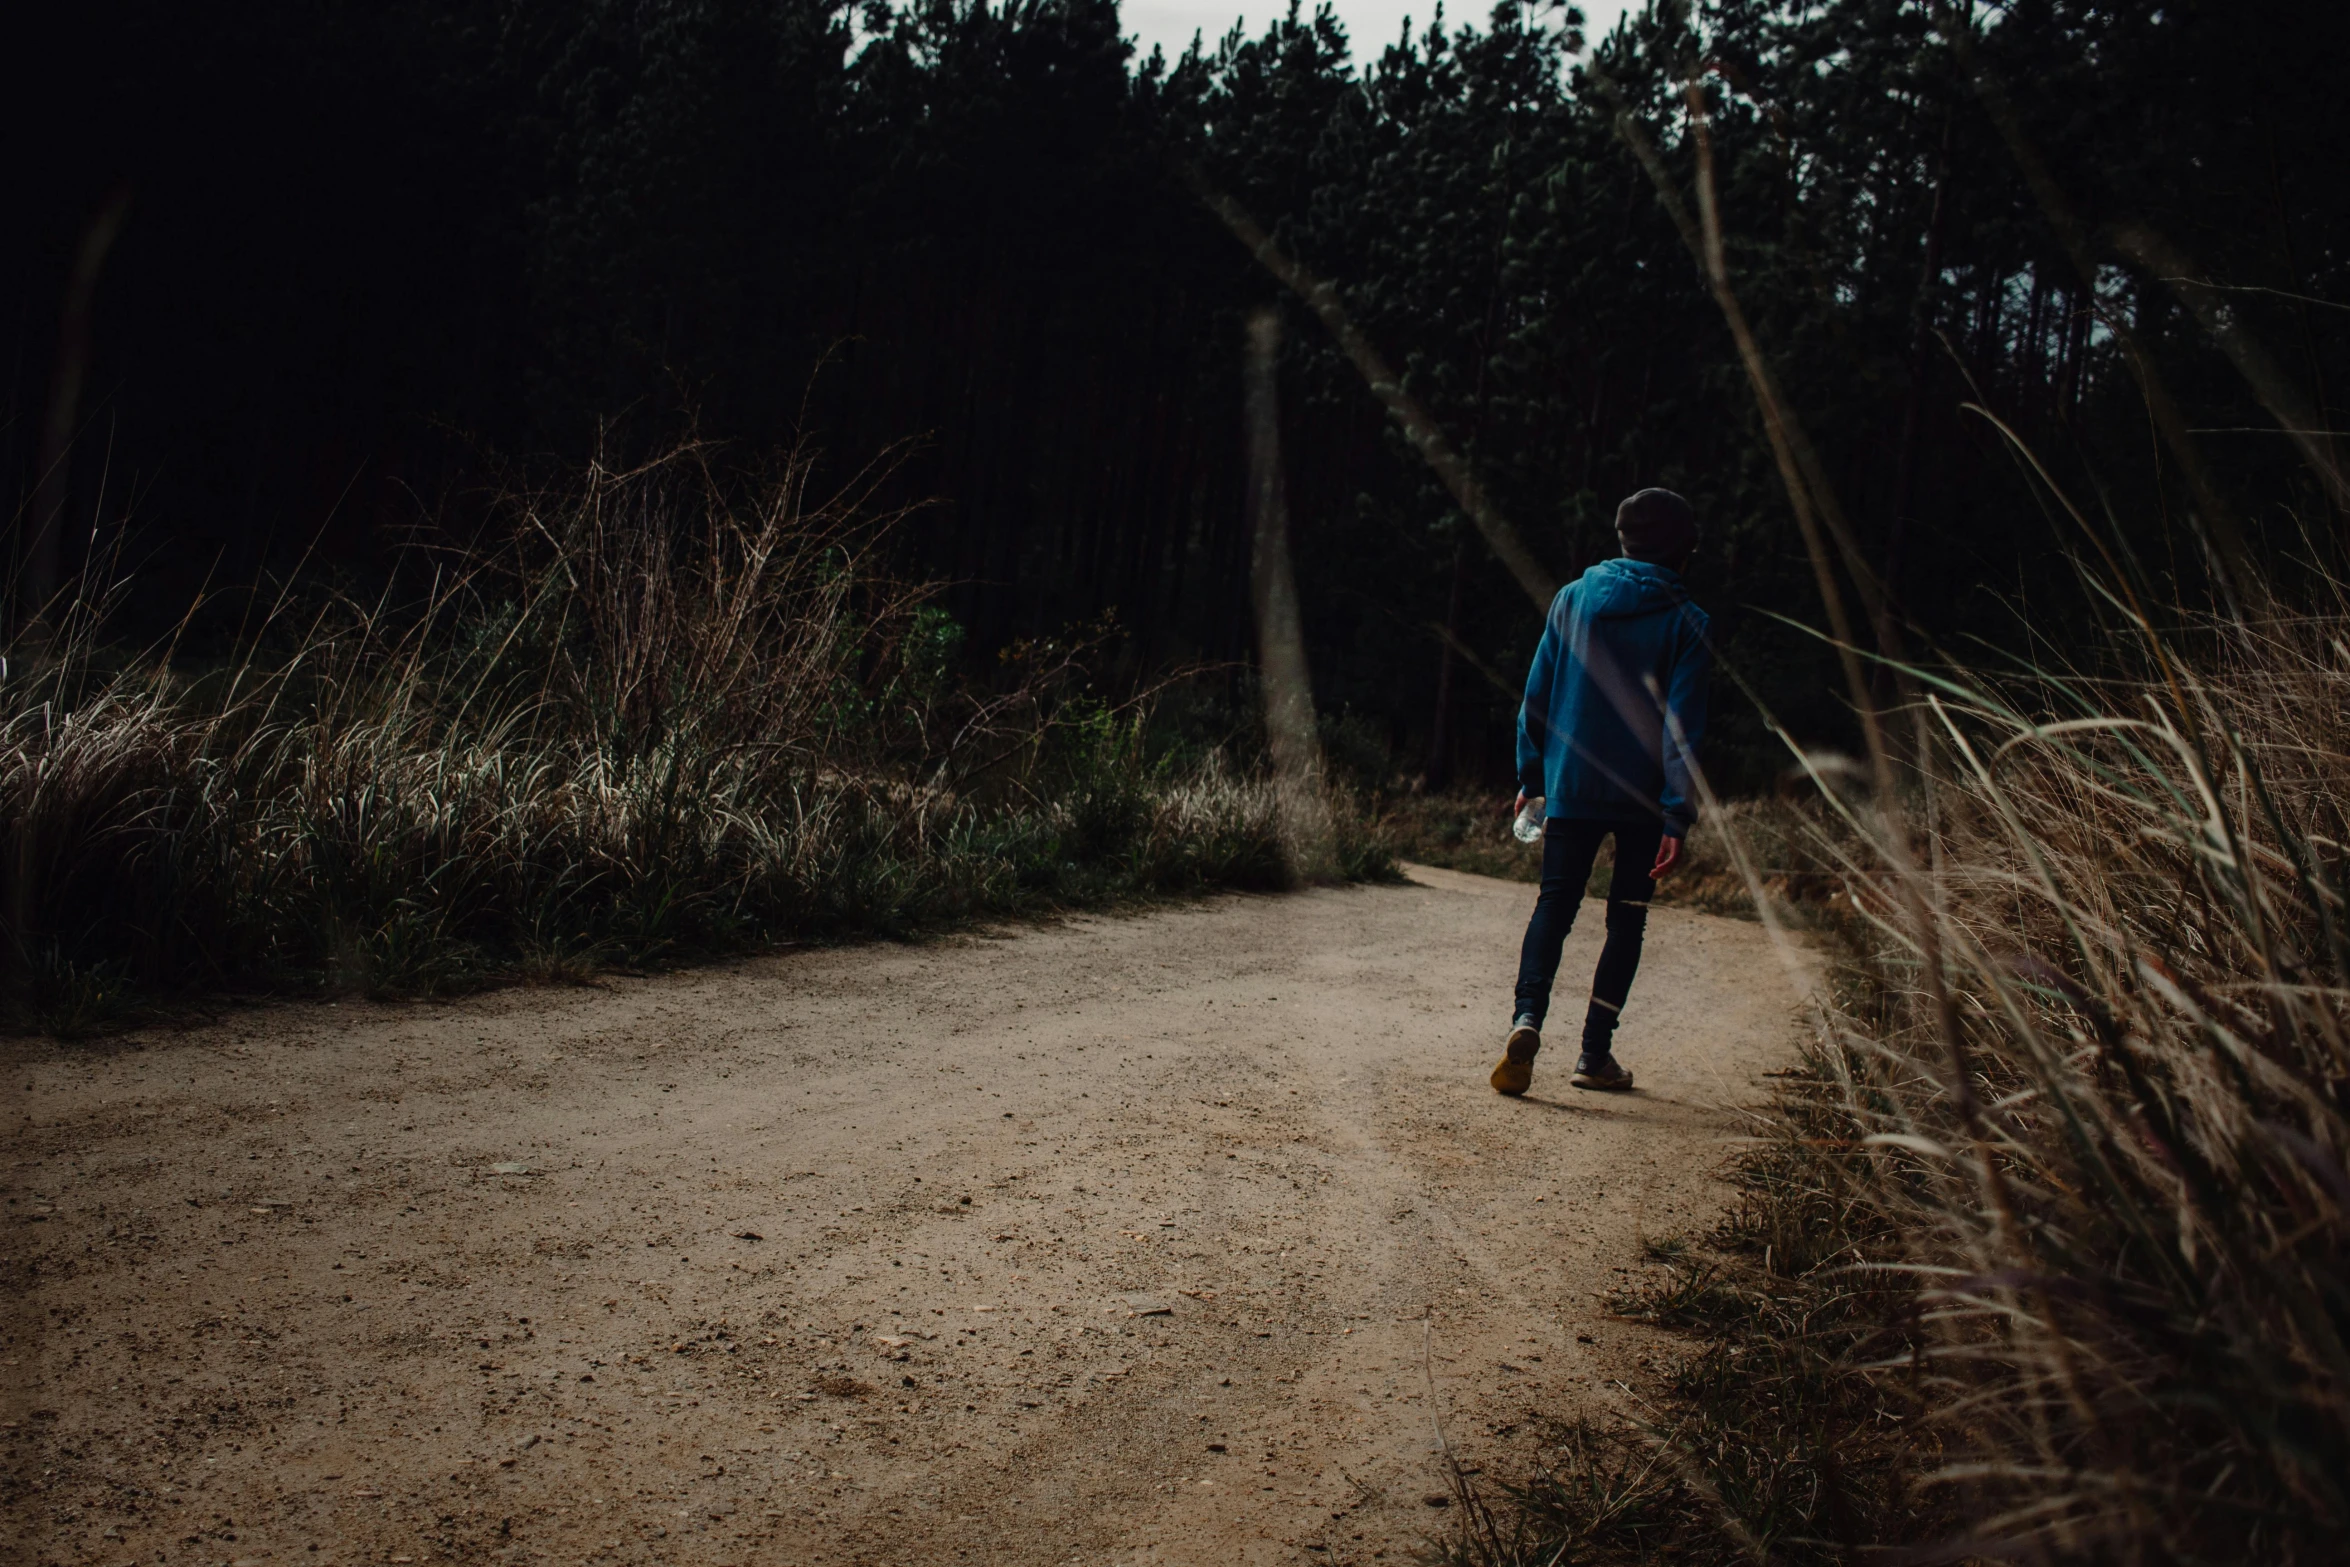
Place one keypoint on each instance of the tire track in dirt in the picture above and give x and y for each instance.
(1107, 1242)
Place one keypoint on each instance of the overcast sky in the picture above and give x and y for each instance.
(1371, 25)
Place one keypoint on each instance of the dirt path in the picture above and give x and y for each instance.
(1107, 1243)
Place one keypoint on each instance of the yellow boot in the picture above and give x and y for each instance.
(1515, 1074)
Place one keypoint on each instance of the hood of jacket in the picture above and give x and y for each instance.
(1621, 588)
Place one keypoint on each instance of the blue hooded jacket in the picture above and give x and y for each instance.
(1623, 647)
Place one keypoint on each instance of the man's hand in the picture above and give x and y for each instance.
(1668, 857)
(1519, 809)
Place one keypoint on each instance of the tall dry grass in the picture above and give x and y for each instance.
(2045, 1254)
(664, 714)
(2101, 1087)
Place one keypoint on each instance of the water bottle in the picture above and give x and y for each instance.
(1528, 826)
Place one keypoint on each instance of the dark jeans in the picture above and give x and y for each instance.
(1569, 846)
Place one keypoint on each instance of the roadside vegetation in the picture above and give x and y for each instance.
(663, 716)
(2044, 1251)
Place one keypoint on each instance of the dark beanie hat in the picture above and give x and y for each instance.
(1656, 525)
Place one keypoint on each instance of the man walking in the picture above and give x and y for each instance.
(1615, 705)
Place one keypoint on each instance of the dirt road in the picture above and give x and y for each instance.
(1131, 1240)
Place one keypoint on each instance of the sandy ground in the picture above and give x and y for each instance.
(1135, 1240)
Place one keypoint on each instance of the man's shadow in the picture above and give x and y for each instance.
(1580, 1105)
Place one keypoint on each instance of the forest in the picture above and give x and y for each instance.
(552, 493)
(354, 271)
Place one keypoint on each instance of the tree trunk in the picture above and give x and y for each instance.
(44, 546)
(1286, 685)
(1921, 339)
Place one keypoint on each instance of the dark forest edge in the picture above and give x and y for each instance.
(350, 261)
(666, 717)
